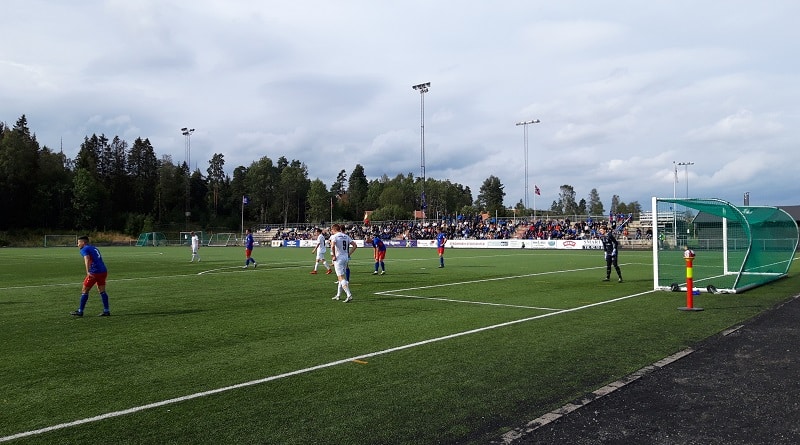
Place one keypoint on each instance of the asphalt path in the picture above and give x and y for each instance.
(738, 387)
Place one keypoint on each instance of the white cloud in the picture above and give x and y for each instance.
(741, 126)
(622, 89)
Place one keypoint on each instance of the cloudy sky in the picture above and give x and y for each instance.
(624, 89)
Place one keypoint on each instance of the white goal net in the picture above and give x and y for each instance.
(185, 238)
(60, 240)
(223, 240)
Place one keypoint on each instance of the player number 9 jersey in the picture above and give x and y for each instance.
(340, 244)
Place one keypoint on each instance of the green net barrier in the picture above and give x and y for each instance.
(737, 248)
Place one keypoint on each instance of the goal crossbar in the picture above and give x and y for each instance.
(223, 240)
(60, 240)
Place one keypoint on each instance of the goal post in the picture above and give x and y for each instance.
(151, 239)
(223, 240)
(60, 240)
(185, 238)
(737, 248)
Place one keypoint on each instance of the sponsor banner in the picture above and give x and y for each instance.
(557, 244)
(540, 244)
(310, 243)
(592, 244)
(570, 244)
(400, 243)
(294, 243)
(523, 244)
(463, 243)
(484, 244)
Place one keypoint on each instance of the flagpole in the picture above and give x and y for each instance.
(243, 198)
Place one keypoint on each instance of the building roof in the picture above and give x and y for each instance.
(793, 211)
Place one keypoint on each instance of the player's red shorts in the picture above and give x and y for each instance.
(248, 252)
(380, 255)
(441, 250)
(96, 278)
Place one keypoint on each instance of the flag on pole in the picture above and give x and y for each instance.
(536, 189)
(245, 201)
(331, 201)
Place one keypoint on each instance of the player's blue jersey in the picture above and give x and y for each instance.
(441, 239)
(248, 241)
(377, 242)
(96, 264)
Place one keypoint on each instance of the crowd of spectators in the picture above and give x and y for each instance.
(587, 229)
(294, 233)
(458, 227)
(477, 227)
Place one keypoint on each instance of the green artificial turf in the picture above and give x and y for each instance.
(209, 352)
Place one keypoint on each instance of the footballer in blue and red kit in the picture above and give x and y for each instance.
(248, 250)
(379, 253)
(96, 273)
(441, 240)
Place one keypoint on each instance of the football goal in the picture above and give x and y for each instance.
(151, 239)
(186, 238)
(737, 248)
(60, 240)
(223, 240)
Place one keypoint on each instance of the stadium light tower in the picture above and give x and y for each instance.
(188, 145)
(525, 132)
(422, 88)
(187, 133)
(674, 179)
(686, 168)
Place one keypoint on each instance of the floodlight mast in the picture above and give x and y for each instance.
(187, 133)
(525, 132)
(422, 88)
(686, 167)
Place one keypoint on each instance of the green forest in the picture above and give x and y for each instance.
(113, 185)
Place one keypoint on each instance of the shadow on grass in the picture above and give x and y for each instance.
(729, 308)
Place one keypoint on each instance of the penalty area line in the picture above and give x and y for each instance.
(356, 359)
(486, 280)
(486, 303)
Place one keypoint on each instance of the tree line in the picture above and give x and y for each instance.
(112, 185)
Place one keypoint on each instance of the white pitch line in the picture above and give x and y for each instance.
(469, 302)
(119, 280)
(495, 279)
(77, 283)
(221, 269)
(197, 395)
(396, 293)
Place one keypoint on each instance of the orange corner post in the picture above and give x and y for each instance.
(688, 256)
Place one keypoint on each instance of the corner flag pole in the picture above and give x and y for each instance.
(688, 256)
